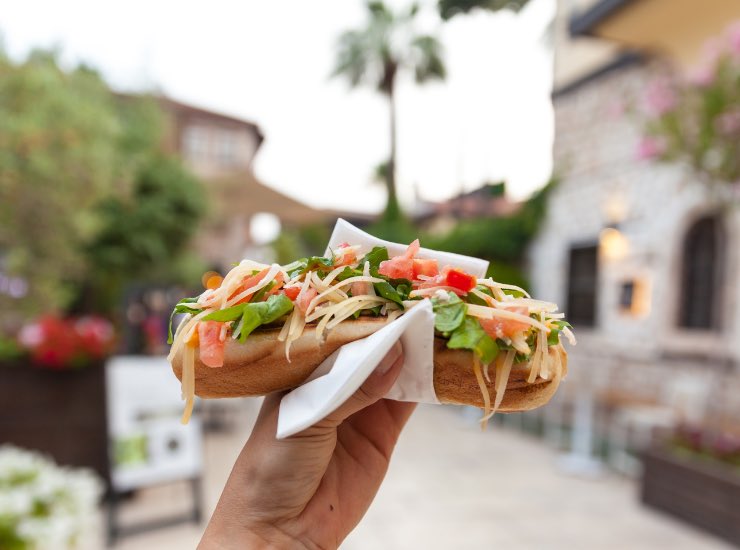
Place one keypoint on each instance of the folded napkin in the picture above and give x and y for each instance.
(342, 373)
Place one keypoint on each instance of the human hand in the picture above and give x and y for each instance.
(310, 490)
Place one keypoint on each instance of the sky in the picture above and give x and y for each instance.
(270, 62)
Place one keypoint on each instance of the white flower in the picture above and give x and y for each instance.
(50, 506)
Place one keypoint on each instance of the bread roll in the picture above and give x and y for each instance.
(259, 367)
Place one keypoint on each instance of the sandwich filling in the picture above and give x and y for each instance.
(501, 324)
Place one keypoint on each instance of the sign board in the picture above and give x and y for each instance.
(148, 445)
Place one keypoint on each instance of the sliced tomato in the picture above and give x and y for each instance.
(401, 267)
(211, 346)
(249, 282)
(413, 249)
(348, 258)
(428, 268)
(440, 279)
(397, 268)
(304, 299)
(457, 278)
(504, 328)
(292, 292)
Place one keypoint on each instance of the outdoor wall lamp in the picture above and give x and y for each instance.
(613, 245)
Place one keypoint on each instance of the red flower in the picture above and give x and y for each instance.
(66, 343)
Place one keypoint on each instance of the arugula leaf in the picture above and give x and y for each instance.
(251, 319)
(375, 256)
(262, 291)
(448, 315)
(224, 315)
(263, 313)
(374, 311)
(277, 306)
(473, 299)
(485, 290)
(347, 273)
(387, 291)
(404, 289)
(554, 337)
(470, 335)
(314, 263)
(181, 307)
(513, 293)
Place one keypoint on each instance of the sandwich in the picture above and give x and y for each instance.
(265, 328)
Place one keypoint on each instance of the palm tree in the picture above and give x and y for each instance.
(374, 55)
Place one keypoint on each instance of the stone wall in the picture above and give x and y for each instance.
(653, 204)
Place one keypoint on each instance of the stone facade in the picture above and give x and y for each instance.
(602, 184)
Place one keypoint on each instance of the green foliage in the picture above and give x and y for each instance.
(375, 54)
(59, 136)
(144, 233)
(502, 241)
(450, 8)
(393, 225)
(288, 247)
(86, 203)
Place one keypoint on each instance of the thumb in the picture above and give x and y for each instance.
(374, 388)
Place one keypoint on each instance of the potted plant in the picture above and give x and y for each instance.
(52, 389)
(695, 475)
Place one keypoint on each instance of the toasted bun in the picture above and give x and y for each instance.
(260, 368)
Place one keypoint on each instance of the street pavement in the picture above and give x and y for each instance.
(451, 486)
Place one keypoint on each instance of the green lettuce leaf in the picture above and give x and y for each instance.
(387, 291)
(470, 335)
(473, 299)
(253, 314)
(375, 256)
(314, 263)
(554, 337)
(181, 307)
(448, 315)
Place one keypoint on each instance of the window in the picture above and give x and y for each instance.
(226, 148)
(195, 143)
(701, 275)
(582, 285)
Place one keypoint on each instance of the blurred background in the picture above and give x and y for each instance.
(590, 149)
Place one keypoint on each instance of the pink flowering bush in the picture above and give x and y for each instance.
(706, 443)
(696, 119)
(60, 344)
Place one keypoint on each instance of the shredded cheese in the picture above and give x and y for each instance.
(336, 287)
(490, 283)
(483, 390)
(419, 292)
(489, 313)
(266, 280)
(188, 382)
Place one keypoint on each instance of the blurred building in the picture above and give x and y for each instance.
(643, 259)
(487, 201)
(220, 149)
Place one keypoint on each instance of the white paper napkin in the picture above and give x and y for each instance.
(341, 374)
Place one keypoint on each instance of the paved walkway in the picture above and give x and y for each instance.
(451, 486)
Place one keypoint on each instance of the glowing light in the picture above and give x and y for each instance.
(613, 245)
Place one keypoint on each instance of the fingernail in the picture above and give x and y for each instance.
(393, 354)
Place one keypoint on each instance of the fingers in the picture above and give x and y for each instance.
(374, 388)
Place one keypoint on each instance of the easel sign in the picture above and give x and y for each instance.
(147, 444)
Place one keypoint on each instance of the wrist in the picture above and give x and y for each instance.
(252, 538)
